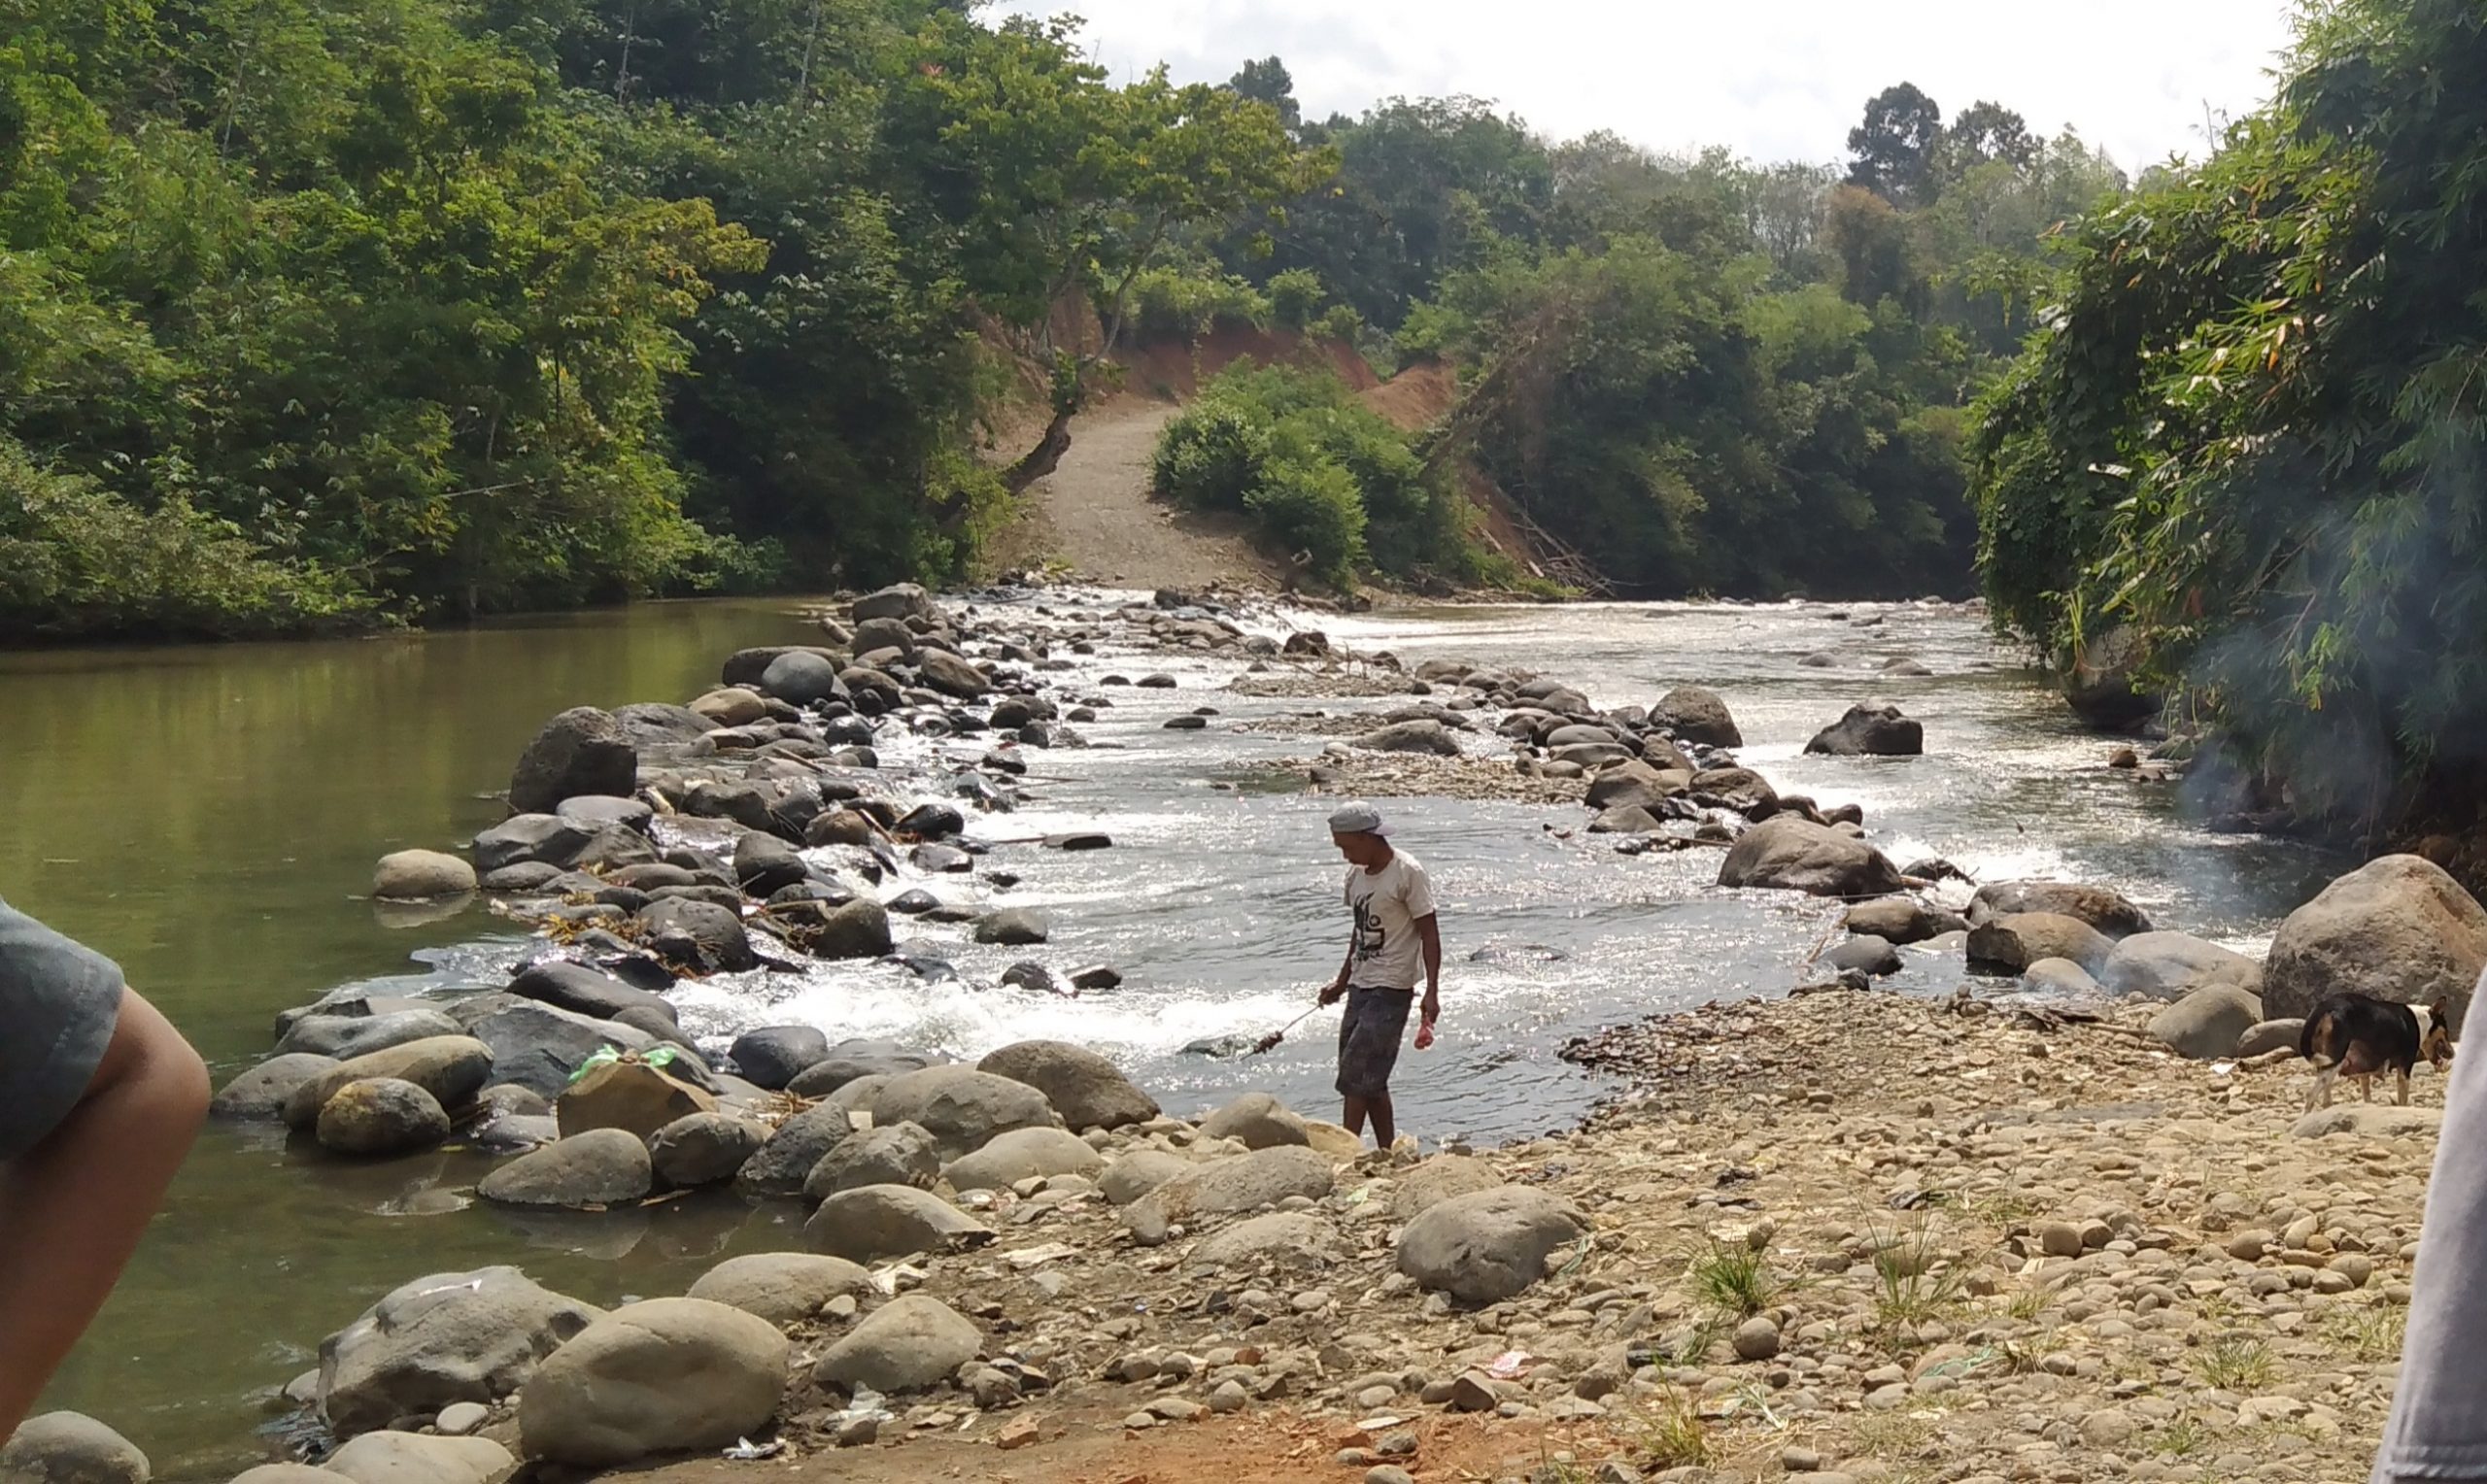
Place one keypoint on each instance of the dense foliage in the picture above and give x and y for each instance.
(316, 314)
(1321, 476)
(2251, 432)
(1706, 375)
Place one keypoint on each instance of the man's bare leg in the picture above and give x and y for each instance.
(1385, 1128)
(71, 1211)
(1353, 1117)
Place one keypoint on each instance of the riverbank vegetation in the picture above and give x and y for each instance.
(388, 311)
(2248, 433)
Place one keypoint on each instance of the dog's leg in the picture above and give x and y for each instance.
(2403, 1099)
(2319, 1095)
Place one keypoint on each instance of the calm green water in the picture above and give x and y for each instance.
(207, 816)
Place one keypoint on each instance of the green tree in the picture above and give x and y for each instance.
(1894, 154)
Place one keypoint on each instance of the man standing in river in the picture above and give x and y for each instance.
(1395, 935)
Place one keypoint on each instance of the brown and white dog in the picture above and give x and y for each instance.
(2361, 1038)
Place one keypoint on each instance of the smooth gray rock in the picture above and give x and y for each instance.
(888, 1154)
(784, 1288)
(602, 1166)
(876, 1223)
(1085, 1088)
(1870, 729)
(381, 1116)
(343, 1038)
(2207, 1023)
(2165, 965)
(583, 750)
(1491, 1245)
(414, 1458)
(666, 1375)
(452, 1068)
(703, 1149)
(1257, 1120)
(1023, 1154)
(962, 1108)
(1793, 854)
(774, 1056)
(260, 1094)
(458, 1337)
(1240, 1182)
(70, 1448)
(2396, 928)
(2100, 907)
(421, 875)
(911, 1343)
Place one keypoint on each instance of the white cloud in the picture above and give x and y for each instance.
(1784, 80)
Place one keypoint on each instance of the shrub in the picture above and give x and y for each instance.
(1427, 333)
(1341, 321)
(1309, 503)
(1169, 304)
(1295, 295)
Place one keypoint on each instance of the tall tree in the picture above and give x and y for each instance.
(1893, 152)
(1267, 80)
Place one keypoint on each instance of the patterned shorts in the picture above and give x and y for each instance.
(1369, 1037)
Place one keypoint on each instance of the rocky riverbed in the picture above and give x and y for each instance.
(2047, 1228)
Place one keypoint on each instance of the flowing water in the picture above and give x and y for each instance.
(208, 816)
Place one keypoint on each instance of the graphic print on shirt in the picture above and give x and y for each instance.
(1369, 935)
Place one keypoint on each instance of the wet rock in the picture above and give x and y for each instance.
(1630, 819)
(1188, 722)
(2165, 965)
(1696, 715)
(1085, 1088)
(1011, 927)
(901, 602)
(2207, 1023)
(1428, 737)
(839, 827)
(765, 863)
(702, 1149)
(2396, 928)
(343, 1038)
(530, 838)
(1636, 786)
(598, 811)
(1893, 920)
(912, 1344)
(2105, 910)
(850, 1059)
(774, 1056)
(2059, 977)
(70, 1448)
(1739, 788)
(784, 1288)
(667, 1376)
(584, 990)
(939, 860)
(1134, 1174)
(962, 1108)
(540, 1047)
(1870, 729)
(2098, 680)
(1256, 1121)
(858, 929)
(787, 1159)
(1865, 954)
(421, 875)
(452, 1068)
(1221, 1186)
(261, 1094)
(951, 675)
(449, 1338)
(730, 706)
(876, 1223)
(886, 1154)
(602, 1166)
(801, 678)
(701, 934)
(2010, 944)
(932, 822)
(1023, 1154)
(1491, 1245)
(381, 1116)
(583, 750)
(1793, 854)
(413, 1457)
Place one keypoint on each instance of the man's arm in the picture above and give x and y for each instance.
(1429, 935)
(1331, 992)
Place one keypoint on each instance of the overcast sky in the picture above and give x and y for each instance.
(1774, 80)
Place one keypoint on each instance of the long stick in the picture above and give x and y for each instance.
(1270, 1042)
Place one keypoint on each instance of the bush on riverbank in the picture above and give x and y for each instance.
(1321, 475)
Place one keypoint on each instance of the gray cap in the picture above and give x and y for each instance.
(1358, 819)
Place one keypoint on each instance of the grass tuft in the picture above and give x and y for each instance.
(2234, 1362)
(1732, 1278)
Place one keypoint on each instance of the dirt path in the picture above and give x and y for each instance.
(1094, 513)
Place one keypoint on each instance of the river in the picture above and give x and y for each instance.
(209, 816)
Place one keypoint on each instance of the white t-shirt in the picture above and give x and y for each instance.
(1387, 903)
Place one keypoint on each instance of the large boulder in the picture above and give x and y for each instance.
(2165, 965)
(70, 1448)
(799, 678)
(2207, 1023)
(730, 706)
(771, 1056)
(889, 1153)
(697, 933)
(452, 1068)
(1284, 1239)
(879, 1222)
(903, 601)
(2101, 908)
(1740, 789)
(1134, 1174)
(416, 1458)
(662, 724)
(787, 1158)
(1085, 1088)
(1636, 785)
(1870, 729)
(784, 1288)
(2011, 944)
(911, 1343)
(1895, 919)
(631, 1094)
(602, 1167)
(461, 1337)
(1797, 854)
(2098, 680)
(421, 875)
(667, 1376)
(1489, 1245)
(540, 1047)
(951, 675)
(582, 751)
(343, 1038)
(2395, 928)
(855, 929)
(524, 840)
(1696, 715)
(585, 990)
(1023, 1154)
(1257, 1120)
(1430, 737)
(962, 1108)
(1441, 1178)
(703, 1149)
(850, 1059)
(1011, 927)
(381, 1116)
(1240, 1182)
(261, 1094)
